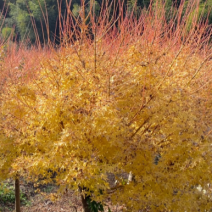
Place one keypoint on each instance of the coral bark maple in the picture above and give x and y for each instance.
(114, 108)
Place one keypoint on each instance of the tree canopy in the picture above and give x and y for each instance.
(135, 98)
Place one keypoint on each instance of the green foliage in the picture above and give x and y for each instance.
(48, 188)
(90, 7)
(7, 32)
(76, 9)
(94, 206)
(34, 19)
(38, 19)
(7, 194)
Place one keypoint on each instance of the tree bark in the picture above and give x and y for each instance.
(84, 201)
(17, 195)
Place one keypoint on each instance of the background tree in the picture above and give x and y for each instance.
(34, 19)
(39, 20)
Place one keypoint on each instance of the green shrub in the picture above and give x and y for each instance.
(7, 194)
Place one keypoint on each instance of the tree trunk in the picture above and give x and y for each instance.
(84, 201)
(17, 195)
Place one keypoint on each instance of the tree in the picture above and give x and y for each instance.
(41, 20)
(35, 19)
(8, 155)
(9, 150)
(111, 106)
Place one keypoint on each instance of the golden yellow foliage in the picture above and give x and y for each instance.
(83, 125)
(89, 113)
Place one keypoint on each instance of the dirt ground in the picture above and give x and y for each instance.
(35, 202)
